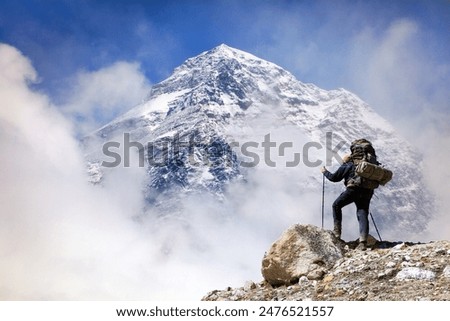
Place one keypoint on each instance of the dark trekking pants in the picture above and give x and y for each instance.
(361, 197)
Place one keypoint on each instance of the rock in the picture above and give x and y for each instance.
(414, 273)
(301, 250)
(390, 272)
(316, 274)
(446, 271)
(249, 285)
(391, 264)
(400, 246)
(387, 273)
(406, 264)
(371, 241)
(328, 278)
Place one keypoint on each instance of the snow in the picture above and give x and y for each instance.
(171, 133)
(94, 172)
(206, 175)
(159, 104)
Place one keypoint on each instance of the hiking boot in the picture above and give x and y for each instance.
(337, 231)
(362, 246)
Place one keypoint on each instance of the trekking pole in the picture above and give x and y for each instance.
(323, 196)
(376, 228)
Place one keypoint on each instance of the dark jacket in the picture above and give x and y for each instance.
(345, 171)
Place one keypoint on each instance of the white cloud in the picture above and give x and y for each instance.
(34, 121)
(52, 220)
(62, 238)
(98, 96)
(395, 73)
(391, 71)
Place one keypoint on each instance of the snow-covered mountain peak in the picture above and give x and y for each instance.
(217, 64)
(220, 93)
(224, 50)
(227, 76)
(225, 54)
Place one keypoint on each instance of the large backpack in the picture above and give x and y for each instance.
(368, 172)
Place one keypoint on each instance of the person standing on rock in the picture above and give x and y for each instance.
(352, 194)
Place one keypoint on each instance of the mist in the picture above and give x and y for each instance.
(92, 97)
(397, 75)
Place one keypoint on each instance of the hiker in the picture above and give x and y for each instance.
(352, 194)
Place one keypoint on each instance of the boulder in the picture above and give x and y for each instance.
(302, 250)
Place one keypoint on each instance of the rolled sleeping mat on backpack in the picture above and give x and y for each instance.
(374, 172)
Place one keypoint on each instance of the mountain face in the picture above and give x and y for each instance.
(196, 134)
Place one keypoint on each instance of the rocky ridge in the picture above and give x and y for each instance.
(334, 270)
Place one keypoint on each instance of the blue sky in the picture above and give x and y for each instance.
(377, 49)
